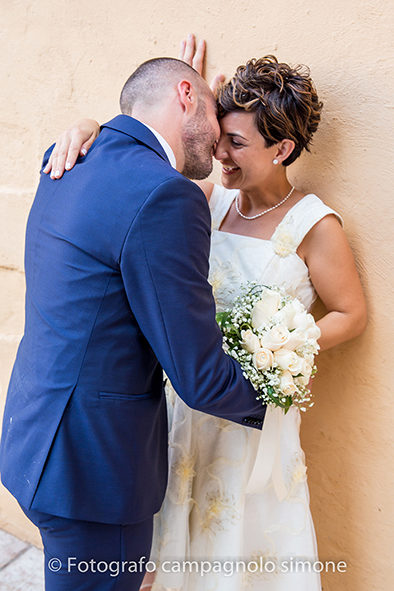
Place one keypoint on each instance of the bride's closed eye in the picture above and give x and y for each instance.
(236, 144)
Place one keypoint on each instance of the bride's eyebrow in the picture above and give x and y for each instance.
(237, 135)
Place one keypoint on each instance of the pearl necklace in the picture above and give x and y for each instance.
(253, 217)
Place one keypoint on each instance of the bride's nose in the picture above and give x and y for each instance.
(220, 152)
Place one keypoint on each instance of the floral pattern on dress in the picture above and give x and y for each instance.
(225, 281)
(296, 474)
(218, 513)
(183, 472)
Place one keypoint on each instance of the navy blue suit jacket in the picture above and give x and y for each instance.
(116, 274)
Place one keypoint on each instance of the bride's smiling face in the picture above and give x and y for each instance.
(246, 161)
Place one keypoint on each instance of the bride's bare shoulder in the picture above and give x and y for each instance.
(206, 187)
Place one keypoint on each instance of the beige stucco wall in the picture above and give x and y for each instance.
(64, 60)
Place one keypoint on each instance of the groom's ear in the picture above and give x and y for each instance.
(187, 96)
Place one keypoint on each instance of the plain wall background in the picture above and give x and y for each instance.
(62, 61)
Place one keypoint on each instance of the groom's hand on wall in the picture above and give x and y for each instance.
(194, 54)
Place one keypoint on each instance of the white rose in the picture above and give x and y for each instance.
(275, 338)
(265, 308)
(305, 325)
(288, 360)
(303, 321)
(301, 381)
(250, 341)
(296, 339)
(286, 314)
(263, 359)
(313, 332)
(309, 358)
(306, 370)
(287, 384)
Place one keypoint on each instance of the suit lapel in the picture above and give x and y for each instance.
(137, 130)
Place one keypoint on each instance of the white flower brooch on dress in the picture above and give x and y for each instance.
(284, 241)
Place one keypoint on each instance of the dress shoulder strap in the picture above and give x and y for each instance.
(219, 204)
(299, 220)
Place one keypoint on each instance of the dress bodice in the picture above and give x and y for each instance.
(236, 259)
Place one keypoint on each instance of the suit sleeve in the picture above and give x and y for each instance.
(165, 264)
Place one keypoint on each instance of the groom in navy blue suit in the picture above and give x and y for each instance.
(116, 274)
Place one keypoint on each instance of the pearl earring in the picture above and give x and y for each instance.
(275, 161)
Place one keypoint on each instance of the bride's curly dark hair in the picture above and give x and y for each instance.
(283, 98)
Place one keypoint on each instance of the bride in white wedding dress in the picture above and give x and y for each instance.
(238, 497)
(235, 494)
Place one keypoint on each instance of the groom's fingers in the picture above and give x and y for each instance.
(216, 82)
(189, 49)
(198, 59)
(192, 55)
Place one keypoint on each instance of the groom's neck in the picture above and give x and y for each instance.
(168, 124)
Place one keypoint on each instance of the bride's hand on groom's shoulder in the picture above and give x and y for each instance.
(71, 144)
(193, 54)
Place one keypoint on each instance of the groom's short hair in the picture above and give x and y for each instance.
(153, 77)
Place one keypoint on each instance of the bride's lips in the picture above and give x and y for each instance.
(228, 170)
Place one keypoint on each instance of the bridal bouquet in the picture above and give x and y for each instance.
(275, 340)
